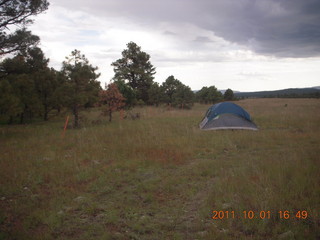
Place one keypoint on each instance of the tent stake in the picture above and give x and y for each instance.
(65, 126)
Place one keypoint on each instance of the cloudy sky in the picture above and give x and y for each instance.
(245, 45)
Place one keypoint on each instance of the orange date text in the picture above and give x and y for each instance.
(285, 214)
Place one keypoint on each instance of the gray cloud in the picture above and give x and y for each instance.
(169, 33)
(287, 28)
(202, 39)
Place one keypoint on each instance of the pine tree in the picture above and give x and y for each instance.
(127, 92)
(183, 97)
(16, 14)
(209, 95)
(169, 88)
(135, 69)
(228, 95)
(156, 95)
(44, 78)
(81, 86)
(17, 73)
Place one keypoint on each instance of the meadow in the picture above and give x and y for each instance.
(160, 177)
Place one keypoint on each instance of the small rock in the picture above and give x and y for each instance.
(60, 212)
(79, 199)
(286, 236)
(3, 198)
(226, 206)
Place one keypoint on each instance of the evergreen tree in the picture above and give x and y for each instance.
(9, 102)
(201, 95)
(169, 87)
(183, 97)
(44, 78)
(81, 86)
(16, 14)
(209, 95)
(128, 93)
(135, 69)
(228, 95)
(176, 93)
(17, 73)
(156, 95)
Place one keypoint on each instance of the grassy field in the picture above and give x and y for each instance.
(160, 177)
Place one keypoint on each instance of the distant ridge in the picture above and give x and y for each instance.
(313, 92)
(224, 90)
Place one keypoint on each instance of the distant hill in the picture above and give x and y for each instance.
(313, 92)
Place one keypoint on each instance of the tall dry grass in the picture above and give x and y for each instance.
(160, 177)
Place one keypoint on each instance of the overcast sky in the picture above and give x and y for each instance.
(245, 45)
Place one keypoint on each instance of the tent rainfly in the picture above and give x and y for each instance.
(227, 115)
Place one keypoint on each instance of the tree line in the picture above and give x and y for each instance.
(134, 78)
(30, 89)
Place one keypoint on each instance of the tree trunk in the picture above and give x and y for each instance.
(76, 116)
(110, 116)
(23, 114)
(21, 118)
(45, 117)
(10, 120)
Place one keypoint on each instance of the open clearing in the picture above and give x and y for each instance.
(160, 177)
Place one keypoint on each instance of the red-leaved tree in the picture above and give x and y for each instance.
(113, 100)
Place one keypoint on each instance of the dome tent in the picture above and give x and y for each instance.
(227, 115)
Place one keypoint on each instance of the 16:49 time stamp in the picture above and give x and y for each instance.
(285, 214)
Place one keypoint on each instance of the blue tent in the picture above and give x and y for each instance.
(227, 115)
